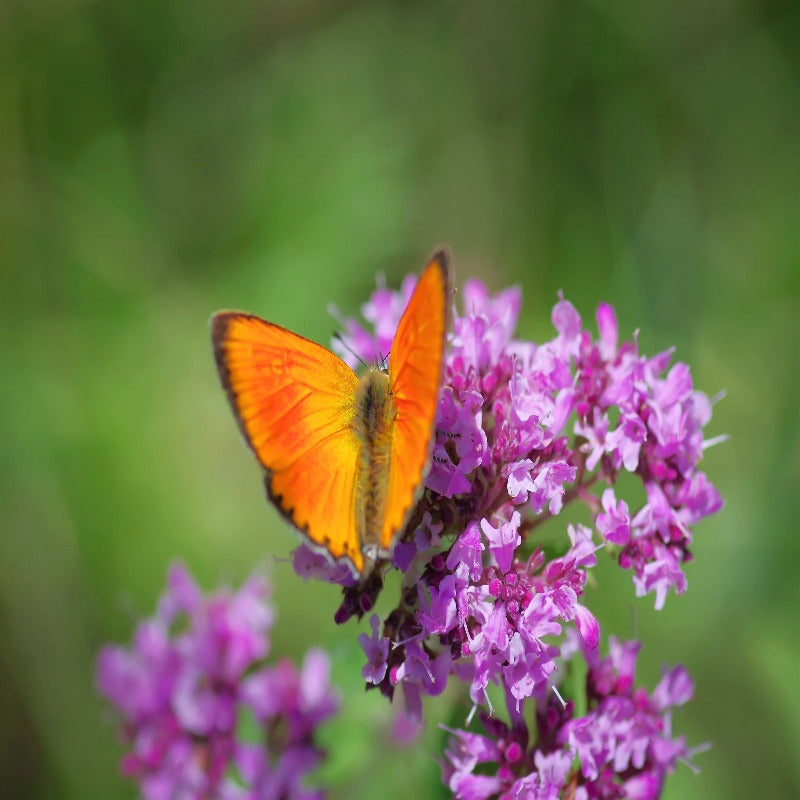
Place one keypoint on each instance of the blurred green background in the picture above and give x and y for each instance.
(160, 160)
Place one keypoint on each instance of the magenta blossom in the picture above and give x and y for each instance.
(193, 670)
(523, 431)
(622, 747)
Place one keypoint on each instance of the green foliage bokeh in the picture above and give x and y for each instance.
(160, 160)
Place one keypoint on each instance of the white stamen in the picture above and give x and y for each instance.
(723, 437)
(470, 715)
(558, 695)
(488, 703)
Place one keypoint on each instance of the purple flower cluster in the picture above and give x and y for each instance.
(522, 431)
(491, 624)
(623, 744)
(194, 673)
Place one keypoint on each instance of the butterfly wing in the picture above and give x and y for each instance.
(415, 373)
(294, 402)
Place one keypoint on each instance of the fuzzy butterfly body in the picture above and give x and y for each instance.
(343, 455)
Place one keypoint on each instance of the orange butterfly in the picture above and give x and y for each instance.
(343, 455)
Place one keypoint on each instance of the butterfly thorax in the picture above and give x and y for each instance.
(373, 424)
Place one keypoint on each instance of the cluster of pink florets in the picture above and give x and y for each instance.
(523, 430)
(195, 670)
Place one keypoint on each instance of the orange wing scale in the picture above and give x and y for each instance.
(415, 373)
(294, 401)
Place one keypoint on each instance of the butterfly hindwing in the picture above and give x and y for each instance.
(294, 402)
(415, 373)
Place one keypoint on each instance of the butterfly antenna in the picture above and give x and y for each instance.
(339, 338)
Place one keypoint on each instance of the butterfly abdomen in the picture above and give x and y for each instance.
(373, 424)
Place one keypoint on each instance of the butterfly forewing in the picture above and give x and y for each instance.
(415, 373)
(294, 401)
